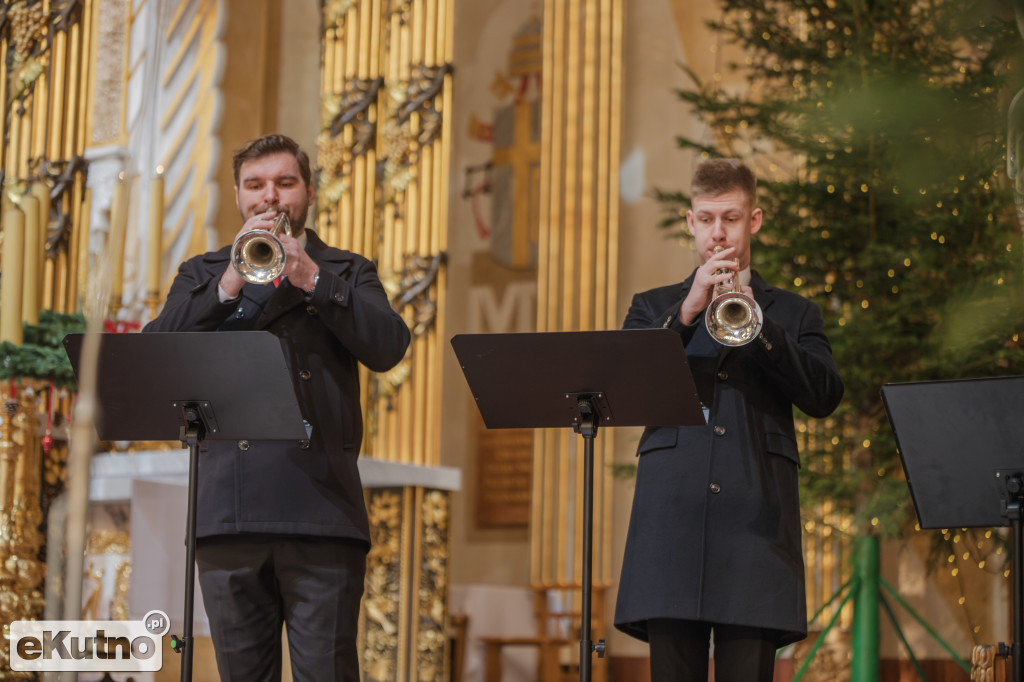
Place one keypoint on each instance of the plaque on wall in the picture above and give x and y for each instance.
(504, 475)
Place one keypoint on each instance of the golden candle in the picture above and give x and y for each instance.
(10, 288)
(31, 273)
(116, 241)
(154, 244)
(41, 191)
(82, 244)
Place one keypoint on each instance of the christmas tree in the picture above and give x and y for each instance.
(879, 131)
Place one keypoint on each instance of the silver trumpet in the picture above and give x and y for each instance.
(258, 255)
(733, 318)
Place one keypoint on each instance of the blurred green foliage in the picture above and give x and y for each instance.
(878, 129)
(41, 354)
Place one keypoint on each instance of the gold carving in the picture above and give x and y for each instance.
(110, 78)
(28, 538)
(414, 287)
(383, 585)
(406, 576)
(91, 608)
(27, 33)
(122, 580)
(350, 108)
(399, 155)
(21, 573)
(396, 164)
(109, 542)
(432, 639)
(987, 665)
(335, 11)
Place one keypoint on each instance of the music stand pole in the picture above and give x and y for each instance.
(1018, 610)
(1014, 510)
(587, 427)
(192, 433)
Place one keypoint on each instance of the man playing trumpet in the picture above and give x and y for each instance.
(281, 526)
(713, 548)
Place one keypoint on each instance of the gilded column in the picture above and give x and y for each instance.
(384, 156)
(578, 271)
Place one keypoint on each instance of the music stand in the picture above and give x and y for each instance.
(635, 377)
(962, 452)
(192, 386)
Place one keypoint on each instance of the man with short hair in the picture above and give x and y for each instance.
(281, 525)
(713, 547)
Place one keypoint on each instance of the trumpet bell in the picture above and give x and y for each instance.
(733, 319)
(258, 255)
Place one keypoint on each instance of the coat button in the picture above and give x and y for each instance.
(240, 313)
(338, 297)
(715, 488)
(719, 430)
(305, 374)
(310, 310)
(304, 444)
(243, 445)
(723, 375)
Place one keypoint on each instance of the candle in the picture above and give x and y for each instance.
(10, 288)
(41, 191)
(116, 240)
(31, 276)
(82, 244)
(156, 233)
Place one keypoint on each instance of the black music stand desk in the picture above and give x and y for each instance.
(192, 386)
(633, 377)
(961, 443)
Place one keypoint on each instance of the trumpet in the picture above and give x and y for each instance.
(733, 318)
(258, 255)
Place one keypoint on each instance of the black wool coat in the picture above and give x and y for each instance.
(714, 532)
(304, 487)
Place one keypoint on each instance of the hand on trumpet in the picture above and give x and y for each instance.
(718, 269)
(297, 266)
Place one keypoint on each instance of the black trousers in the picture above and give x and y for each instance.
(252, 584)
(679, 652)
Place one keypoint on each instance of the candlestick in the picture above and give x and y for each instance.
(10, 288)
(156, 233)
(31, 274)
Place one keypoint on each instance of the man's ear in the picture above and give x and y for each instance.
(689, 223)
(755, 220)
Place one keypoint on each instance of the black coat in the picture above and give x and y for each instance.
(714, 533)
(309, 488)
